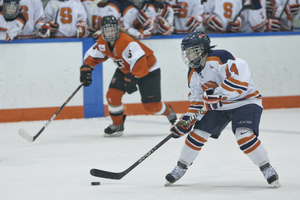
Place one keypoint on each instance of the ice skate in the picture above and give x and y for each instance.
(176, 174)
(270, 174)
(171, 116)
(115, 131)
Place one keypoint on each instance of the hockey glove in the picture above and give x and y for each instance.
(178, 129)
(82, 30)
(163, 27)
(53, 27)
(213, 23)
(212, 101)
(235, 27)
(292, 10)
(86, 74)
(144, 19)
(193, 22)
(273, 25)
(270, 7)
(130, 83)
(176, 9)
(146, 32)
(96, 35)
(44, 31)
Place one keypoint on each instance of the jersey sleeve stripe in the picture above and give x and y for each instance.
(235, 86)
(225, 87)
(255, 94)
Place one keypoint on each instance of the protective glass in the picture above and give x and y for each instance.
(11, 10)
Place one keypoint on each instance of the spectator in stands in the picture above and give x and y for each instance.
(188, 15)
(138, 18)
(67, 18)
(164, 18)
(35, 26)
(11, 20)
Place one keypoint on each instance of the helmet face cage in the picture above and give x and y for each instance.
(193, 48)
(110, 32)
(11, 9)
(110, 28)
(137, 3)
(192, 56)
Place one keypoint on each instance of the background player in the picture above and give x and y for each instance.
(188, 15)
(221, 83)
(98, 9)
(11, 20)
(164, 18)
(67, 18)
(35, 26)
(219, 16)
(284, 11)
(138, 18)
(136, 65)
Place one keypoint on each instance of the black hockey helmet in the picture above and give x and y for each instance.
(10, 8)
(194, 47)
(137, 3)
(110, 29)
(159, 3)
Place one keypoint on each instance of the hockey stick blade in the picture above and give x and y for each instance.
(106, 174)
(25, 135)
(119, 175)
(29, 138)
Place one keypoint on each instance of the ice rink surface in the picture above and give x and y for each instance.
(56, 165)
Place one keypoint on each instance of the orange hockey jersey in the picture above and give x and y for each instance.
(131, 56)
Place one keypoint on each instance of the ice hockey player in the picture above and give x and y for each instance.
(11, 20)
(137, 65)
(164, 18)
(221, 84)
(138, 18)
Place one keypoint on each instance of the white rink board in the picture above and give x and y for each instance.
(39, 74)
(42, 74)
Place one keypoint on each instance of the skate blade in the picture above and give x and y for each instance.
(168, 184)
(116, 134)
(276, 184)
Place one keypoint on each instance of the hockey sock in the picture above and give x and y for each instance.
(115, 106)
(251, 146)
(193, 144)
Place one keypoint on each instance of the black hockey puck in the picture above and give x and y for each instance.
(95, 183)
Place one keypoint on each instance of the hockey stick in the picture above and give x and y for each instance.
(56, 8)
(286, 3)
(255, 4)
(119, 175)
(30, 138)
